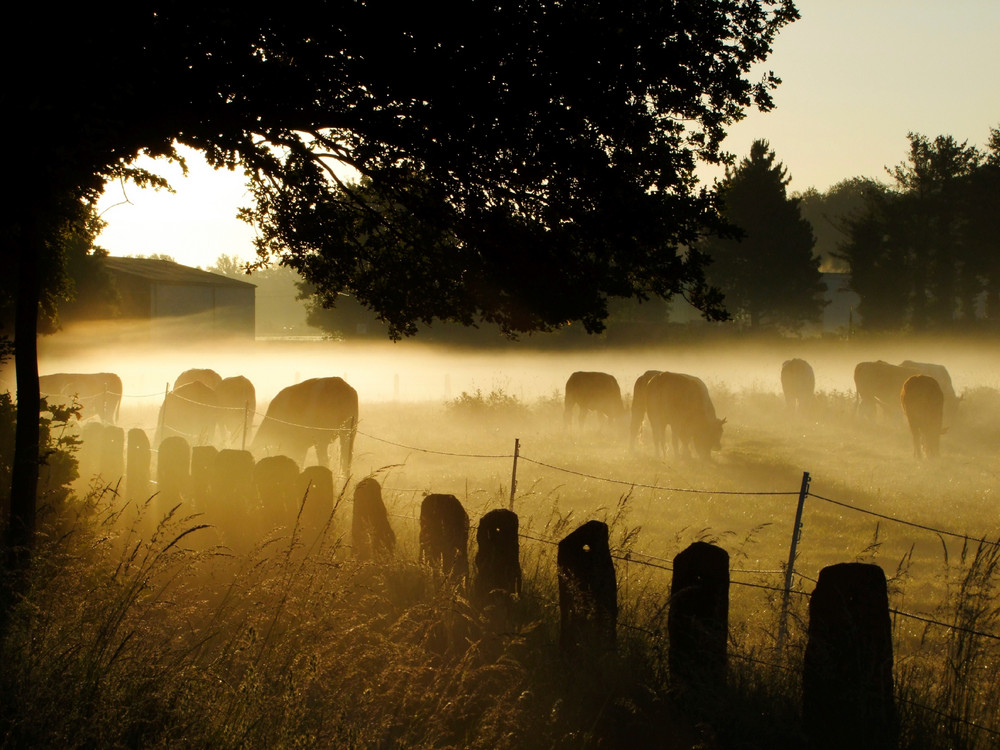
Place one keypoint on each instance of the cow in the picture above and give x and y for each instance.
(923, 404)
(879, 383)
(682, 401)
(311, 414)
(943, 378)
(98, 393)
(191, 412)
(209, 377)
(593, 391)
(237, 399)
(639, 405)
(798, 384)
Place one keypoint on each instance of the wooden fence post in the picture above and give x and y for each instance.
(371, 535)
(498, 563)
(588, 593)
(276, 480)
(790, 568)
(173, 472)
(315, 489)
(847, 691)
(513, 471)
(112, 453)
(444, 535)
(137, 466)
(698, 622)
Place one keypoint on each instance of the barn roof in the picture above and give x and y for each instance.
(167, 272)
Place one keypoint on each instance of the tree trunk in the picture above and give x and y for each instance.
(24, 471)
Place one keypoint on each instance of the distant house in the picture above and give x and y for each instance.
(180, 300)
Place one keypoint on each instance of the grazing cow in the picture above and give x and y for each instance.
(312, 413)
(943, 378)
(237, 400)
(923, 404)
(593, 391)
(209, 377)
(798, 383)
(444, 535)
(682, 401)
(190, 412)
(879, 383)
(98, 393)
(639, 405)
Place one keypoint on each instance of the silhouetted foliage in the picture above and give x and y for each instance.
(520, 162)
(769, 275)
(922, 254)
(829, 213)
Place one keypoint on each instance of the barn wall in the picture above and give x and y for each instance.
(207, 311)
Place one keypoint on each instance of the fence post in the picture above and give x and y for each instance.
(444, 535)
(246, 416)
(790, 568)
(588, 592)
(847, 684)
(137, 466)
(698, 623)
(513, 471)
(498, 564)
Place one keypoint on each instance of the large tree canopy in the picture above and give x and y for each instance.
(520, 161)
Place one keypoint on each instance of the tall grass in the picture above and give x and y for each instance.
(133, 638)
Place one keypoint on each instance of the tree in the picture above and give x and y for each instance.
(829, 214)
(769, 274)
(520, 162)
(921, 253)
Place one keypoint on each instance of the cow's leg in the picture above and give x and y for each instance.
(323, 452)
(916, 442)
(346, 440)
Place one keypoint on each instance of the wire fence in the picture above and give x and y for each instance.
(649, 560)
(640, 559)
(632, 557)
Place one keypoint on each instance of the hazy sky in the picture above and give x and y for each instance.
(857, 76)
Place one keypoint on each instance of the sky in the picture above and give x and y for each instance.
(857, 76)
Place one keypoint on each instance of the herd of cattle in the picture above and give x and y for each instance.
(204, 408)
(922, 390)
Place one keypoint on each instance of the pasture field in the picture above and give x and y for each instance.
(446, 421)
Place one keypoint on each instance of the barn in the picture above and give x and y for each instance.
(179, 300)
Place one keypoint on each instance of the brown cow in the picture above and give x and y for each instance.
(190, 412)
(237, 399)
(98, 393)
(682, 401)
(941, 375)
(879, 383)
(312, 413)
(639, 405)
(798, 384)
(923, 405)
(593, 391)
(202, 375)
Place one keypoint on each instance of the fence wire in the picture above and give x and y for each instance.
(633, 558)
